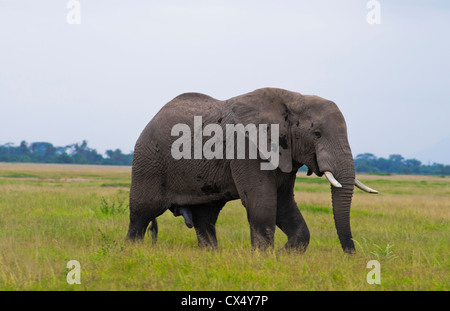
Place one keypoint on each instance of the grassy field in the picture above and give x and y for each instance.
(50, 214)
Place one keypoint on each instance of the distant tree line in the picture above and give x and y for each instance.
(44, 152)
(395, 163)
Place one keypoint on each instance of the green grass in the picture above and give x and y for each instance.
(50, 214)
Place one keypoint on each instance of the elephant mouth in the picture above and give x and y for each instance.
(313, 167)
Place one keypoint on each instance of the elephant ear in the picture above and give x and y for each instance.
(256, 108)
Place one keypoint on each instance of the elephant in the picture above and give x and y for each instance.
(311, 132)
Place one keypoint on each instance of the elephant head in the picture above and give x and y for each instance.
(313, 132)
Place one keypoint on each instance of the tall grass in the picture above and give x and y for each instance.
(50, 214)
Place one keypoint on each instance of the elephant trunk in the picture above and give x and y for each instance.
(341, 200)
(339, 169)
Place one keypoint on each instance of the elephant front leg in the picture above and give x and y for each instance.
(261, 216)
(257, 191)
(291, 222)
(204, 218)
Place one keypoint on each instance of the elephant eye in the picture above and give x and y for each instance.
(317, 134)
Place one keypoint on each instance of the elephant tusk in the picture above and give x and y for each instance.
(363, 187)
(332, 180)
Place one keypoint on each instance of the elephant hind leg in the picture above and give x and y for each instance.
(140, 217)
(137, 228)
(154, 231)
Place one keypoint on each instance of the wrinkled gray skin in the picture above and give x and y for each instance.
(312, 133)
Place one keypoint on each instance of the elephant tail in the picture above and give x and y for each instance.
(153, 229)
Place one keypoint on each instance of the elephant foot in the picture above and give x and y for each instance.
(299, 248)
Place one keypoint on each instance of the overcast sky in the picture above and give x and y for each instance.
(104, 79)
